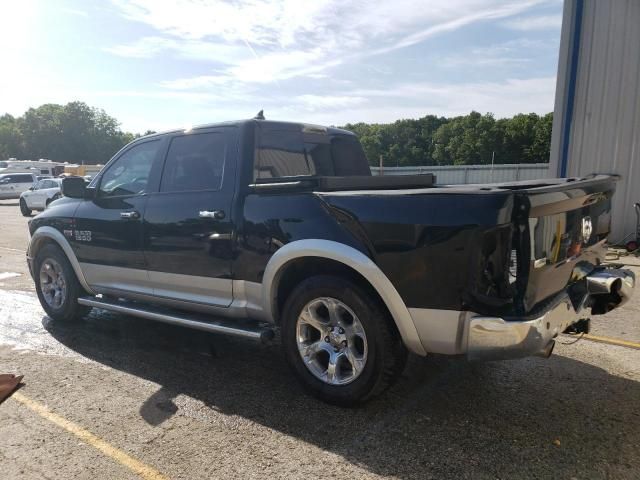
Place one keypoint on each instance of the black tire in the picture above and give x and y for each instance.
(386, 355)
(26, 211)
(69, 309)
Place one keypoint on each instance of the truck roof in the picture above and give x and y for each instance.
(273, 123)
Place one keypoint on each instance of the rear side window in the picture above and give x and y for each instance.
(194, 162)
(290, 152)
(281, 153)
(348, 157)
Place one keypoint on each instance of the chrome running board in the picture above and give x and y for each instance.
(237, 328)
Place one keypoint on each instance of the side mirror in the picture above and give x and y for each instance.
(73, 187)
(32, 188)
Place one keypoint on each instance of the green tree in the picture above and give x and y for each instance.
(74, 132)
(11, 140)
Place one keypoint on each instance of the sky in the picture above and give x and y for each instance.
(161, 64)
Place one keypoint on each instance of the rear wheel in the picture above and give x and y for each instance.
(340, 341)
(57, 285)
(26, 211)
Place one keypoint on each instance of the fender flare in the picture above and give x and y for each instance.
(51, 233)
(352, 258)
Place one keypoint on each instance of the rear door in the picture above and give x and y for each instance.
(107, 237)
(23, 182)
(189, 232)
(49, 190)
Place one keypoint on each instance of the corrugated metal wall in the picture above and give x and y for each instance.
(456, 174)
(605, 125)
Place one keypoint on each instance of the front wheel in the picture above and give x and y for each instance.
(26, 211)
(340, 341)
(57, 286)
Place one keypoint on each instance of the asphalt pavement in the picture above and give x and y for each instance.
(115, 397)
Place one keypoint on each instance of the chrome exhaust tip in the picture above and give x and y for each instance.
(609, 289)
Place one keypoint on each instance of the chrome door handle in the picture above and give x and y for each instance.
(130, 215)
(215, 214)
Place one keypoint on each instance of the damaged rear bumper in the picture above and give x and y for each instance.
(495, 338)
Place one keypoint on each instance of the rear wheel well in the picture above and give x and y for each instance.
(300, 269)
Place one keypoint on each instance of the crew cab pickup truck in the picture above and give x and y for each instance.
(256, 226)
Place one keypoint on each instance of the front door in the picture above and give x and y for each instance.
(188, 222)
(107, 235)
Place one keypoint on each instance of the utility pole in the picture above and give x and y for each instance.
(493, 157)
(381, 166)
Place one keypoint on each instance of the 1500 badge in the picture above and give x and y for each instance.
(79, 235)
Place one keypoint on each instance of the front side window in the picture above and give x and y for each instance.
(194, 162)
(129, 174)
(41, 184)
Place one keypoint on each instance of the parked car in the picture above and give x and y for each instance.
(13, 184)
(247, 227)
(40, 195)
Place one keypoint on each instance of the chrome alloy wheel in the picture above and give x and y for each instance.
(331, 341)
(52, 283)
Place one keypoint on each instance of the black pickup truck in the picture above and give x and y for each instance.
(248, 227)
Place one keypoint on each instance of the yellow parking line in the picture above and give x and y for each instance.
(143, 470)
(612, 341)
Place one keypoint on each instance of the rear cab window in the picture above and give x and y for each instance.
(296, 150)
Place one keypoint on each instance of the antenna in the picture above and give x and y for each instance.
(259, 116)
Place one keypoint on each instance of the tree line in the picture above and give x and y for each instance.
(471, 139)
(78, 133)
(75, 133)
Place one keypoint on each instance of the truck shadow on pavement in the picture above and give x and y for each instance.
(445, 417)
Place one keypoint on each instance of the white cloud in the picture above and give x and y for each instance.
(328, 102)
(540, 22)
(297, 38)
(149, 47)
(75, 11)
(414, 100)
(512, 53)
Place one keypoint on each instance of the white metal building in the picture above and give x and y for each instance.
(596, 125)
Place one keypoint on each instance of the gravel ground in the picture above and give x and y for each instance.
(195, 405)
